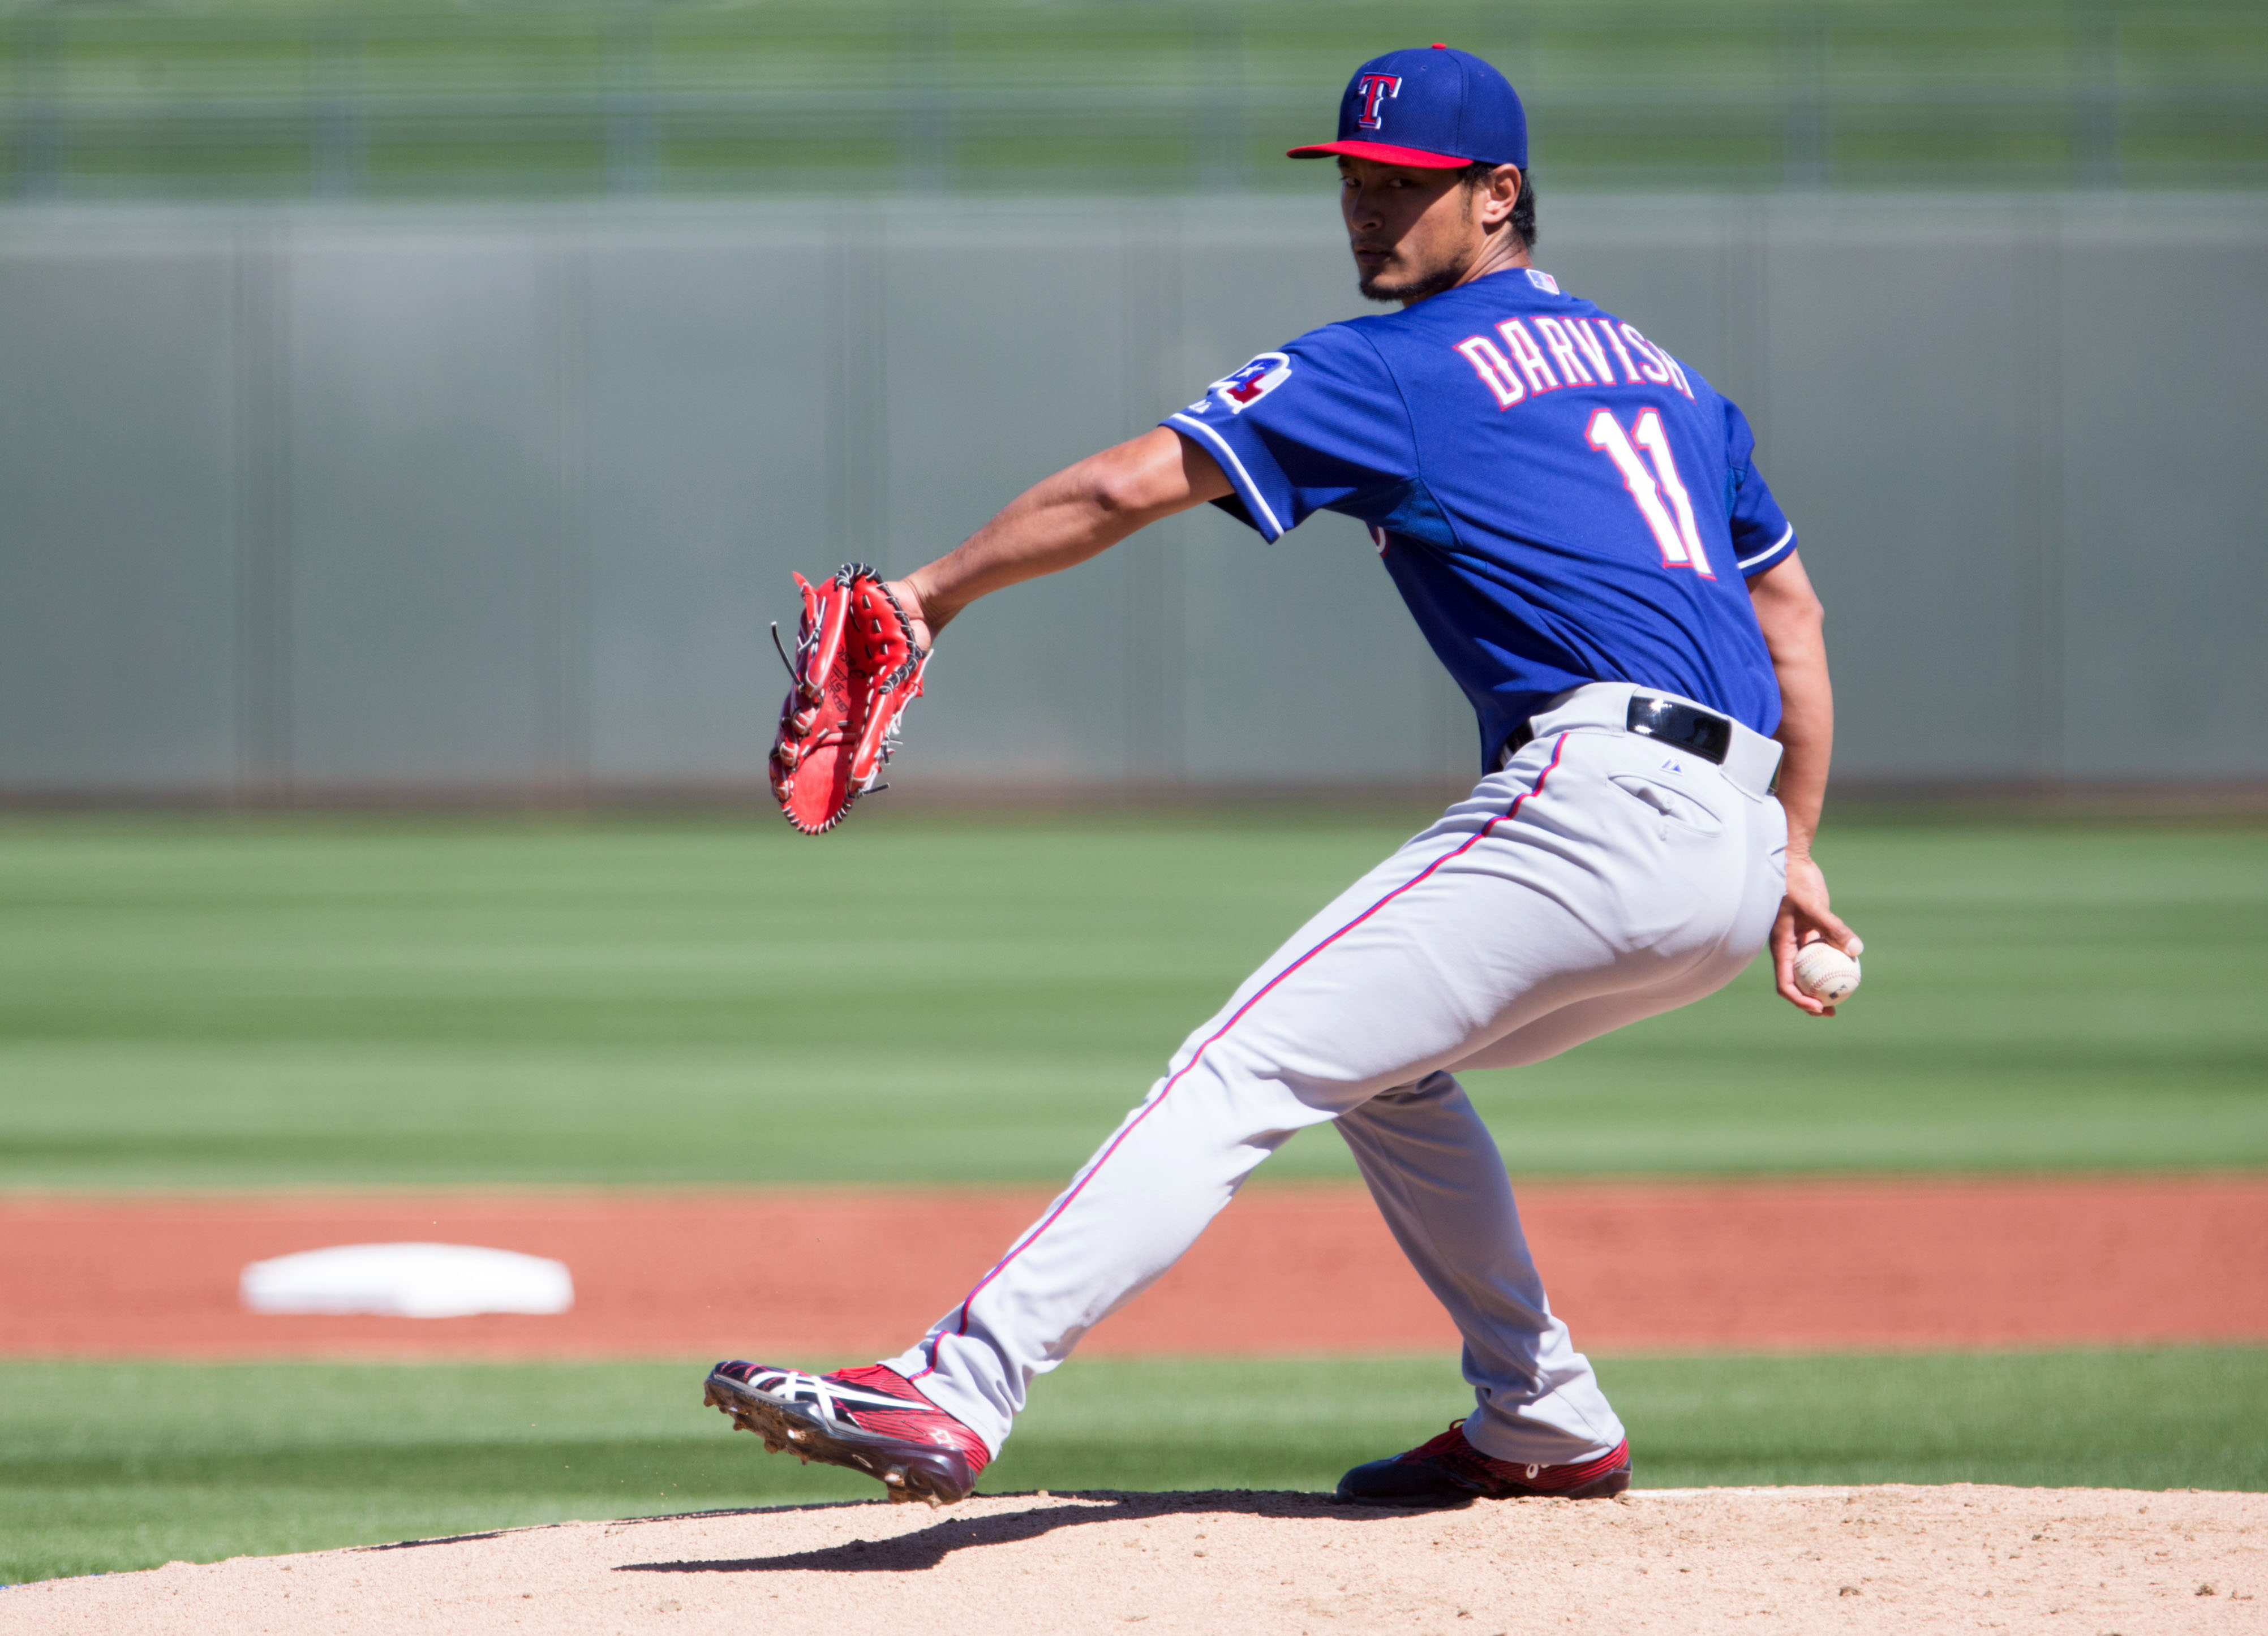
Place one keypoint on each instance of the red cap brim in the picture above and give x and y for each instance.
(1416, 158)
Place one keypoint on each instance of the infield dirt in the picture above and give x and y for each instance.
(1749, 1265)
(1789, 1560)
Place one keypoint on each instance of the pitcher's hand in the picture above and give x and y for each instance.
(909, 598)
(1804, 917)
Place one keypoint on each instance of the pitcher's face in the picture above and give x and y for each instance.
(1413, 231)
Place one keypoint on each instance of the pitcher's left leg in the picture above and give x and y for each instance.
(1461, 936)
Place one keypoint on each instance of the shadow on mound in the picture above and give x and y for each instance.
(440, 1539)
(926, 1548)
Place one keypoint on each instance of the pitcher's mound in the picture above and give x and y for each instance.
(1798, 1560)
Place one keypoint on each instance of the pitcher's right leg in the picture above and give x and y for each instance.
(1435, 1172)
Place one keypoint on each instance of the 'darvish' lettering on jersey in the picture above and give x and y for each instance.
(1527, 357)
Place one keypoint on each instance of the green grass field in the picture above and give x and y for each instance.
(423, 97)
(114, 1466)
(297, 1003)
(291, 1004)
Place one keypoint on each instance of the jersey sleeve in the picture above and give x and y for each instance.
(1762, 534)
(1320, 425)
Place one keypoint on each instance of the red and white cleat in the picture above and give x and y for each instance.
(871, 1419)
(1449, 1471)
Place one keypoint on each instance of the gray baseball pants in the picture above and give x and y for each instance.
(1598, 877)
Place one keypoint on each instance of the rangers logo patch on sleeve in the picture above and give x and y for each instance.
(1248, 385)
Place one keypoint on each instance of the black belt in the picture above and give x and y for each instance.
(1703, 732)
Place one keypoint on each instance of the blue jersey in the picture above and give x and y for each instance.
(1559, 500)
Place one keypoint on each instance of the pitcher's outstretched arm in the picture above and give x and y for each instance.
(1060, 522)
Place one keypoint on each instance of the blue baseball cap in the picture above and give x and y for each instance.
(1434, 109)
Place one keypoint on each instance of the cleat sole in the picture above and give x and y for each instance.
(939, 1477)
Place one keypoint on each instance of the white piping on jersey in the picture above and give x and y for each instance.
(1246, 489)
(1772, 551)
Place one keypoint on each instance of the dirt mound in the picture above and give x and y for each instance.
(1796, 1560)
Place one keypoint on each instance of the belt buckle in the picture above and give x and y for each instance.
(1705, 734)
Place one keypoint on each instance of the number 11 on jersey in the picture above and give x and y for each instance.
(1678, 536)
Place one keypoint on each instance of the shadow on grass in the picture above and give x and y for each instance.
(926, 1548)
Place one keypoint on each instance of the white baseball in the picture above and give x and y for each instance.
(1826, 973)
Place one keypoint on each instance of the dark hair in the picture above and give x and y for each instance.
(1523, 208)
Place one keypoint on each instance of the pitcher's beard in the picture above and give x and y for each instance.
(1373, 286)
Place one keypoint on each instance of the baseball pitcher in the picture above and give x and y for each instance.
(1578, 525)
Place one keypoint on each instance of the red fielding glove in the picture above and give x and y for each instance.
(857, 667)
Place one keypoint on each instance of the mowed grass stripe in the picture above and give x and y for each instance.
(312, 1002)
(107, 1466)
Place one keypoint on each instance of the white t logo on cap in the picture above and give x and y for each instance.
(1376, 88)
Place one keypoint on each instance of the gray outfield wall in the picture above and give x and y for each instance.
(318, 502)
